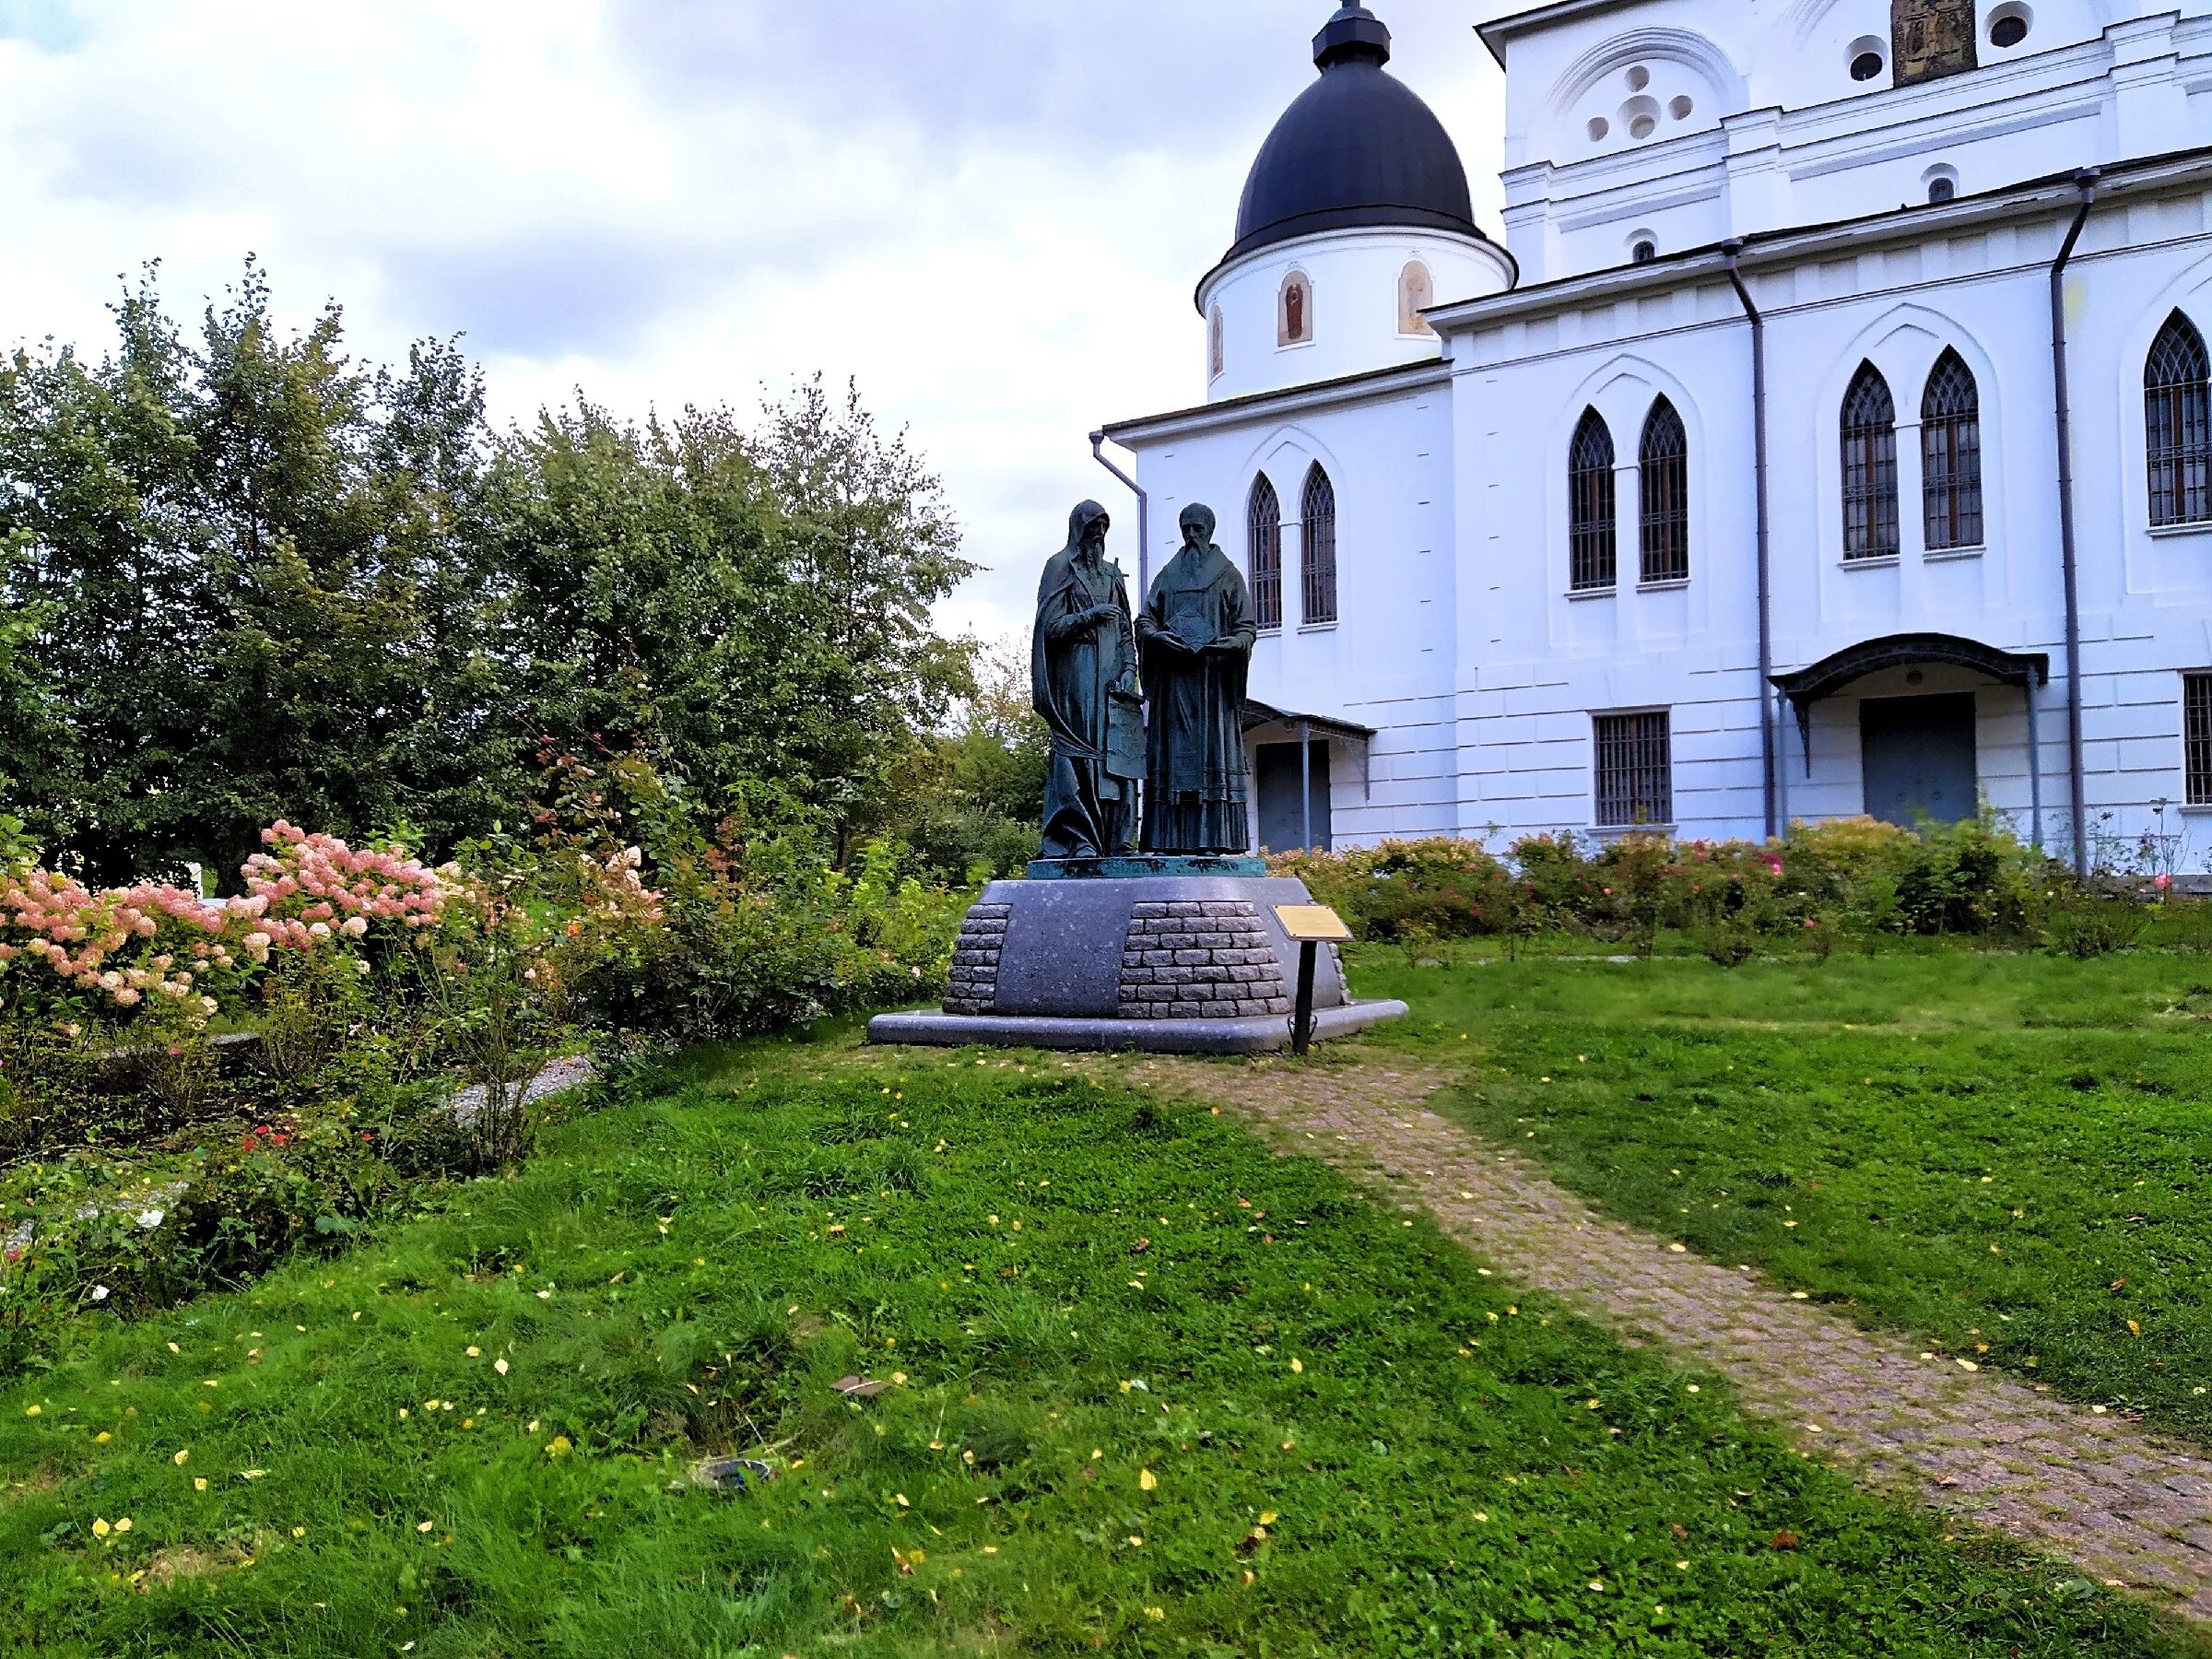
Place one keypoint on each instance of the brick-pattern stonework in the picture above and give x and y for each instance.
(974, 986)
(2068, 1479)
(1200, 959)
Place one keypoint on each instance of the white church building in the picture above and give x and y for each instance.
(1830, 433)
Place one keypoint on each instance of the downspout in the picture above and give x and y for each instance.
(1729, 250)
(2077, 768)
(1144, 519)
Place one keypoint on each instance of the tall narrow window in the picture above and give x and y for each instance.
(1317, 549)
(1266, 518)
(1217, 346)
(1294, 311)
(1662, 465)
(2177, 425)
(2197, 726)
(1635, 770)
(1592, 561)
(1416, 293)
(1869, 467)
(1951, 454)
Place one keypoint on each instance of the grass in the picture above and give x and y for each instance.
(2010, 1156)
(1152, 1391)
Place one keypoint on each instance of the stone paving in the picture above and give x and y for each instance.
(2071, 1480)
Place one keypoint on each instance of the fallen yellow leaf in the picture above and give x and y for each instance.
(1148, 1481)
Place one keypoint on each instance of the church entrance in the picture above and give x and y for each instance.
(1287, 822)
(1919, 756)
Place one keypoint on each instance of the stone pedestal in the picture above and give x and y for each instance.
(1170, 962)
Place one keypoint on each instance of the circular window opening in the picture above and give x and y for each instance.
(1643, 253)
(1643, 126)
(1867, 65)
(1942, 190)
(1639, 78)
(2010, 26)
(1641, 116)
(1599, 127)
(1680, 108)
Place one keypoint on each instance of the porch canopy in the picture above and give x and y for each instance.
(1830, 675)
(1358, 738)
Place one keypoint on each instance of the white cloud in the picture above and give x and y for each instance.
(991, 215)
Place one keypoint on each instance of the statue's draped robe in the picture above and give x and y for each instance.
(1089, 811)
(1195, 790)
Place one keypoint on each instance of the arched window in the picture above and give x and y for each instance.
(1416, 293)
(1951, 454)
(1317, 549)
(1217, 346)
(1294, 319)
(1663, 465)
(1264, 517)
(1593, 563)
(1869, 467)
(2177, 425)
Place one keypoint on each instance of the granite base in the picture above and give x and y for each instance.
(1262, 1035)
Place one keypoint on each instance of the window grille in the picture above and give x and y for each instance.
(2177, 426)
(2196, 701)
(1950, 451)
(1266, 521)
(1635, 770)
(1592, 556)
(1317, 539)
(1664, 466)
(1869, 467)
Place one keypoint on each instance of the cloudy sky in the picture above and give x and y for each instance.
(991, 212)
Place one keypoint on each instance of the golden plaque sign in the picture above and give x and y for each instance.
(1312, 923)
(1930, 39)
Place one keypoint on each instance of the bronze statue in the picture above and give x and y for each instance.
(1196, 634)
(1083, 679)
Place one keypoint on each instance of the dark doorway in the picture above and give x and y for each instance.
(1283, 825)
(1920, 758)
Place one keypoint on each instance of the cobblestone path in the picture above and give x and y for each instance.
(2077, 1484)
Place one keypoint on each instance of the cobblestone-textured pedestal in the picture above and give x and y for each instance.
(1176, 963)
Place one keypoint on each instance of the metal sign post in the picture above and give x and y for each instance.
(1309, 926)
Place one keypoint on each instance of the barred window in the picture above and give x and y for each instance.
(1869, 466)
(1635, 770)
(2177, 425)
(1663, 466)
(2196, 725)
(1591, 559)
(1265, 517)
(1317, 549)
(1950, 449)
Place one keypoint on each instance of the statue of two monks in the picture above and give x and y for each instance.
(1192, 642)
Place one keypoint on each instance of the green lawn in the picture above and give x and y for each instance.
(2013, 1151)
(1154, 1390)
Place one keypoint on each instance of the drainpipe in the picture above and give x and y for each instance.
(1144, 519)
(1729, 250)
(2085, 181)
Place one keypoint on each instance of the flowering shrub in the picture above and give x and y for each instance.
(309, 890)
(1851, 875)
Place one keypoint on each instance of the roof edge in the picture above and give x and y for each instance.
(1312, 394)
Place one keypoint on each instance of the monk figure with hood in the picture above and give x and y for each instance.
(1196, 635)
(1083, 680)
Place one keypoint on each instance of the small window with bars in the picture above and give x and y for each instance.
(1950, 453)
(1591, 559)
(2177, 425)
(1664, 470)
(2196, 736)
(1317, 550)
(1635, 770)
(1869, 429)
(1266, 518)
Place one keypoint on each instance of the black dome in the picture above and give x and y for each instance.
(1358, 148)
